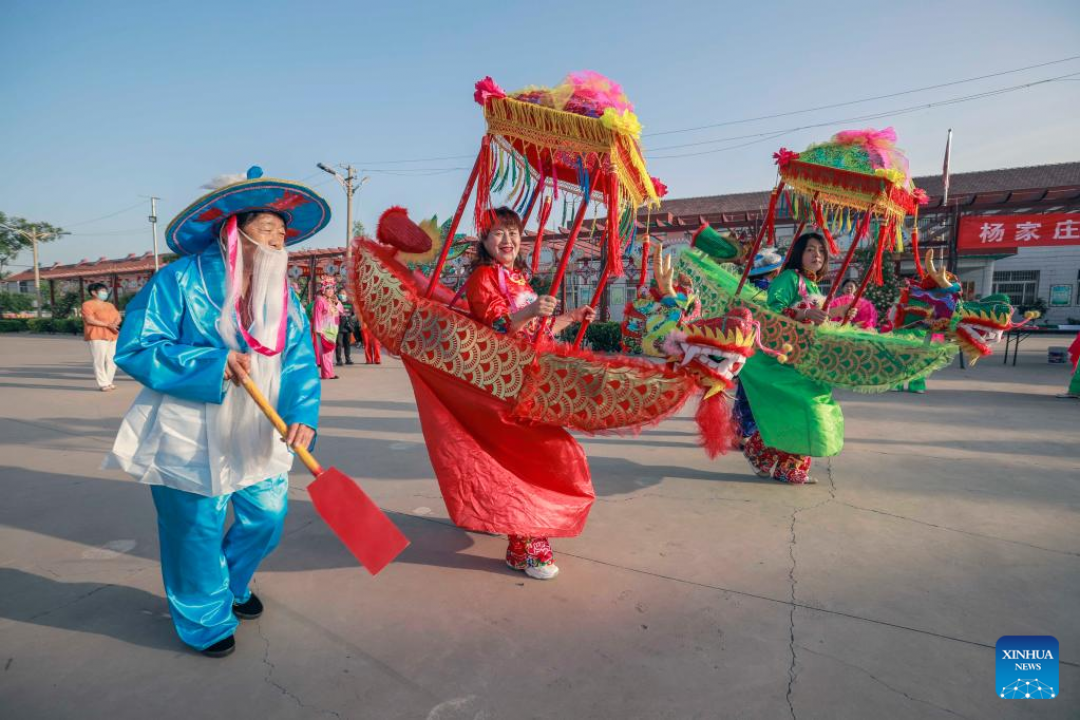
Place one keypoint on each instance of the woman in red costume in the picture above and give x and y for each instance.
(500, 296)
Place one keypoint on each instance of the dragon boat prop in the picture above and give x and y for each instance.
(852, 184)
(495, 408)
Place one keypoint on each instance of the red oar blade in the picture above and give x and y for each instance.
(356, 520)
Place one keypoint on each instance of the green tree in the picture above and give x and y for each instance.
(14, 239)
(883, 296)
(15, 302)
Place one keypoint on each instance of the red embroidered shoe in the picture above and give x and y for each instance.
(541, 562)
(761, 458)
(516, 554)
(793, 469)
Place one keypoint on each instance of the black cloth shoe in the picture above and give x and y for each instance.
(249, 610)
(221, 648)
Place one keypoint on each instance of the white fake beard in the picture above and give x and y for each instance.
(249, 437)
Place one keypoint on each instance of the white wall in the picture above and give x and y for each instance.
(1056, 266)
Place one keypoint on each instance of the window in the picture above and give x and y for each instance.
(1022, 286)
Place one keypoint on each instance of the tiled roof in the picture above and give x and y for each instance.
(133, 263)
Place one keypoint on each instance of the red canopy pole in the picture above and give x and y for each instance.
(795, 237)
(765, 227)
(571, 240)
(482, 156)
(882, 234)
(545, 212)
(864, 227)
(645, 248)
(605, 275)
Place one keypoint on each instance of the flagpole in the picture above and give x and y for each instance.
(953, 259)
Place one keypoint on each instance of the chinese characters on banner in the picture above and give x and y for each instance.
(995, 232)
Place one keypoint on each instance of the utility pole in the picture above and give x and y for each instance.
(33, 235)
(350, 186)
(153, 224)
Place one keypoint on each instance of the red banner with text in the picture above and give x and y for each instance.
(997, 232)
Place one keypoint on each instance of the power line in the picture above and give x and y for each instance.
(765, 117)
(860, 118)
(430, 159)
(104, 217)
(863, 100)
(106, 233)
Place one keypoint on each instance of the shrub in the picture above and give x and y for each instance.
(14, 325)
(600, 336)
(69, 326)
(41, 325)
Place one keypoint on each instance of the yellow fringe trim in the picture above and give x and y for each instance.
(576, 134)
(840, 198)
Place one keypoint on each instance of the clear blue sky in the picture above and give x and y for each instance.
(106, 101)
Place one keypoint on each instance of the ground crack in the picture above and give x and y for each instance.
(792, 674)
(69, 604)
(269, 677)
(876, 679)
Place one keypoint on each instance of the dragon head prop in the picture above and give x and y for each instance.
(714, 349)
(979, 324)
(929, 304)
(934, 304)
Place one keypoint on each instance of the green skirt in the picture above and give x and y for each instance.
(792, 412)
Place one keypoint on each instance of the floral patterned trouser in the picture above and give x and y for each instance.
(782, 466)
(525, 551)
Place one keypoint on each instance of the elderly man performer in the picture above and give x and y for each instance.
(221, 312)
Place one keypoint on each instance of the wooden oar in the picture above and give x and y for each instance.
(354, 517)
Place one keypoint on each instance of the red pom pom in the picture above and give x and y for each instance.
(717, 429)
(397, 230)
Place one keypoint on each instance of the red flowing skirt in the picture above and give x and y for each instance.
(498, 475)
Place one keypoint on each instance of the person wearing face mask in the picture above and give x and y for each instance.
(101, 327)
(346, 328)
(796, 417)
(204, 323)
(325, 314)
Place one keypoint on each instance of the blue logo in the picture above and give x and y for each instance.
(1027, 667)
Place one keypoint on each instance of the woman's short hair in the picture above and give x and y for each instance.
(94, 287)
(503, 217)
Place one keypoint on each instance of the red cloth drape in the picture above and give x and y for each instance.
(1074, 352)
(497, 475)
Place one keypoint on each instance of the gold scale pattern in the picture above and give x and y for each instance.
(563, 388)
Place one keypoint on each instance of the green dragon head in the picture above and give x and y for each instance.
(978, 324)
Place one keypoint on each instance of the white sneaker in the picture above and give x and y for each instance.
(544, 572)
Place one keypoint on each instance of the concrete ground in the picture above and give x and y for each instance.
(696, 591)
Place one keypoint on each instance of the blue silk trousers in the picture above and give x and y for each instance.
(204, 572)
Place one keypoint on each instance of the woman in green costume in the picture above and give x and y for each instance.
(797, 417)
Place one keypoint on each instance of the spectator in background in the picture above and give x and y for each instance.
(862, 314)
(347, 325)
(101, 327)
